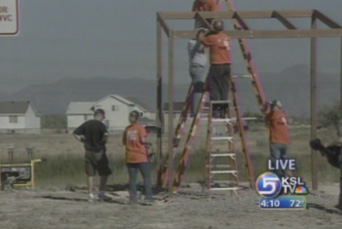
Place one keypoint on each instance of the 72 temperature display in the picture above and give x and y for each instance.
(283, 202)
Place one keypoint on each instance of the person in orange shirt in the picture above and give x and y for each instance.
(204, 5)
(276, 120)
(220, 60)
(134, 139)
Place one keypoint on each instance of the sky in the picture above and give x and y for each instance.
(116, 38)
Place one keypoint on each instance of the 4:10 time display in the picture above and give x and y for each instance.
(283, 202)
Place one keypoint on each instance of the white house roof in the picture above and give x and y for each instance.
(80, 108)
(138, 103)
(88, 107)
(127, 101)
(14, 107)
(117, 97)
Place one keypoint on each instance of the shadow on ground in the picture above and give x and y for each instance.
(322, 208)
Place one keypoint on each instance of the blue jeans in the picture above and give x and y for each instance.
(197, 73)
(278, 151)
(145, 171)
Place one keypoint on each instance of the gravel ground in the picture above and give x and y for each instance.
(45, 209)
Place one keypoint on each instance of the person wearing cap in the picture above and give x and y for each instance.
(220, 59)
(277, 123)
(198, 61)
(333, 153)
(137, 158)
(204, 5)
(93, 134)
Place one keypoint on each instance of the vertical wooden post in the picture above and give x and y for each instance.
(340, 122)
(159, 114)
(171, 108)
(313, 92)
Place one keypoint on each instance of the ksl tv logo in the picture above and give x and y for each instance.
(270, 185)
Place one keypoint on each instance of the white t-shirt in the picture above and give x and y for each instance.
(196, 53)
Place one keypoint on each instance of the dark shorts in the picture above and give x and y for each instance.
(96, 162)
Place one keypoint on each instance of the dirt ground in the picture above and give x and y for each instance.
(45, 209)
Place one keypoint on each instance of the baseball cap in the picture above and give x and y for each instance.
(276, 103)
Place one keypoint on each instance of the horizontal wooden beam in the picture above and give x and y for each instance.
(330, 23)
(269, 34)
(283, 20)
(242, 14)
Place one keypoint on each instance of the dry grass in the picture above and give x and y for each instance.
(65, 163)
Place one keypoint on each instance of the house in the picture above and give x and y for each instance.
(19, 116)
(117, 109)
(78, 113)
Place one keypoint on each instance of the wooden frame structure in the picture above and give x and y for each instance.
(289, 31)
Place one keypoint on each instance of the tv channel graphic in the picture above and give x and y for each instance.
(283, 203)
(268, 185)
(286, 192)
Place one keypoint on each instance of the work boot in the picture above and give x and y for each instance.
(132, 202)
(148, 202)
(102, 197)
(222, 114)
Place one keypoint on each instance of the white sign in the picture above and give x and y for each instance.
(9, 17)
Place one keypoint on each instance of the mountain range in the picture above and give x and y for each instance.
(291, 86)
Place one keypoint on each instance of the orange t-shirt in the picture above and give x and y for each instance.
(135, 149)
(277, 122)
(219, 45)
(208, 5)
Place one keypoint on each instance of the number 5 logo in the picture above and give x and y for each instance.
(268, 185)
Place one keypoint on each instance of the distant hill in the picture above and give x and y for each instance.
(54, 98)
(291, 86)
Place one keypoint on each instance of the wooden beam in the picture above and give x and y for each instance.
(242, 14)
(340, 123)
(241, 22)
(204, 21)
(283, 20)
(159, 114)
(330, 23)
(171, 109)
(163, 24)
(313, 103)
(259, 34)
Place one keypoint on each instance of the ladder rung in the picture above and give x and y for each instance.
(222, 138)
(223, 172)
(225, 189)
(222, 155)
(224, 182)
(221, 102)
(219, 166)
(222, 120)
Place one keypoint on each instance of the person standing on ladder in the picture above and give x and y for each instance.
(204, 5)
(220, 60)
(198, 62)
(276, 120)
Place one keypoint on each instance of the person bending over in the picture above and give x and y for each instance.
(333, 153)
